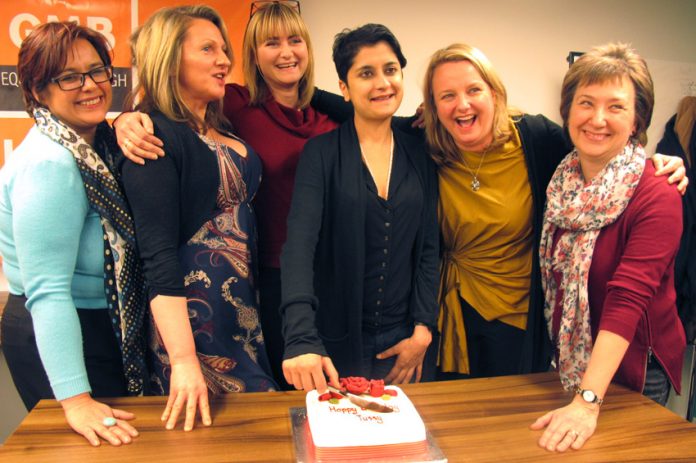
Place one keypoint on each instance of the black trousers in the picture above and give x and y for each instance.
(495, 348)
(272, 322)
(102, 354)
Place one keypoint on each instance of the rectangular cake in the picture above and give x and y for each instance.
(341, 430)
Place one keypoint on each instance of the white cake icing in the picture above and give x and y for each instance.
(347, 425)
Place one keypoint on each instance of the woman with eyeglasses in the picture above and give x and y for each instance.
(73, 326)
(273, 115)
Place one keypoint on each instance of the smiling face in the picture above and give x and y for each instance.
(282, 60)
(374, 83)
(602, 119)
(204, 65)
(84, 108)
(465, 104)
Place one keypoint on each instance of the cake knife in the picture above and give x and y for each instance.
(361, 402)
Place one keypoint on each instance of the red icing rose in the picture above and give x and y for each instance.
(324, 397)
(376, 387)
(391, 392)
(355, 384)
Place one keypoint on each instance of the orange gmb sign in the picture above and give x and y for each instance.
(112, 18)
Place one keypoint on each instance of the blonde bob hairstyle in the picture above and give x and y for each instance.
(269, 21)
(157, 49)
(442, 145)
(607, 63)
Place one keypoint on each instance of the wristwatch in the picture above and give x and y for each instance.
(588, 396)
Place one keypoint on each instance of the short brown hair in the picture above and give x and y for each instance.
(444, 149)
(44, 53)
(612, 61)
(266, 22)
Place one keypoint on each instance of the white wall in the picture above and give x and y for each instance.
(527, 41)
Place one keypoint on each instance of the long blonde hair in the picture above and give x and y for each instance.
(443, 148)
(267, 22)
(156, 48)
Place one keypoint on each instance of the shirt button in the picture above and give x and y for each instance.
(384, 264)
(387, 224)
(386, 251)
(380, 290)
(381, 277)
(379, 302)
(386, 237)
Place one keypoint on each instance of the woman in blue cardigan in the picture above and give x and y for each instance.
(73, 325)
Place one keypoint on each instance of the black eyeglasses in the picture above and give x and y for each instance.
(77, 79)
(261, 4)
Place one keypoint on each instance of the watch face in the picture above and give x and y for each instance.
(589, 396)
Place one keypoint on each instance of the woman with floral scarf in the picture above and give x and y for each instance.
(611, 234)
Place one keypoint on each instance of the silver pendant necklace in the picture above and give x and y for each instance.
(391, 159)
(475, 183)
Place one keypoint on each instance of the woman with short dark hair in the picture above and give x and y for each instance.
(359, 268)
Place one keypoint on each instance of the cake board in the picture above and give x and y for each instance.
(304, 454)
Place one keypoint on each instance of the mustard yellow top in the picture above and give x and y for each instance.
(487, 237)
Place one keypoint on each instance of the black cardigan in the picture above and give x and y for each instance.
(323, 260)
(171, 198)
(544, 145)
(685, 263)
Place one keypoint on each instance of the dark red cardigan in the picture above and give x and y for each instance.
(278, 134)
(631, 281)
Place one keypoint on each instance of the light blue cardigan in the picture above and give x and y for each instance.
(52, 248)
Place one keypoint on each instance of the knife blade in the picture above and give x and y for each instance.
(362, 402)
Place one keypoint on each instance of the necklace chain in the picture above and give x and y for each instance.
(475, 183)
(389, 172)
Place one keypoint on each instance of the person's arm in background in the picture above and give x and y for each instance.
(136, 137)
(49, 210)
(157, 221)
(305, 359)
(652, 244)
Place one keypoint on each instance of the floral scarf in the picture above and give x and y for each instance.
(123, 279)
(582, 210)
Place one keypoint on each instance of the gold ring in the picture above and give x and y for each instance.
(573, 434)
(127, 143)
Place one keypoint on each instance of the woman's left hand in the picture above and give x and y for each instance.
(673, 165)
(410, 353)
(569, 426)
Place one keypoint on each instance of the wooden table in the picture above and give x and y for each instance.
(474, 420)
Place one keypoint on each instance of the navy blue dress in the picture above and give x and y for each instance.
(219, 263)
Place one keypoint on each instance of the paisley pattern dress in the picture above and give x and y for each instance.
(220, 267)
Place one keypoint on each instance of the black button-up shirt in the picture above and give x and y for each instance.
(391, 226)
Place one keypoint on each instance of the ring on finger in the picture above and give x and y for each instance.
(573, 434)
(109, 421)
(127, 143)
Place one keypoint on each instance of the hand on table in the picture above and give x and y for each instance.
(86, 417)
(187, 388)
(410, 353)
(307, 371)
(569, 426)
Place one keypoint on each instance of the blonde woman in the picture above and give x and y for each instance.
(197, 228)
(273, 115)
